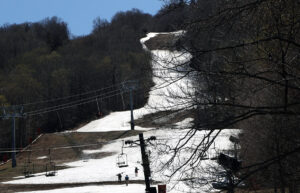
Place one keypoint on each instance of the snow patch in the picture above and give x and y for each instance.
(42, 157)
(92, 151)
(184, 123)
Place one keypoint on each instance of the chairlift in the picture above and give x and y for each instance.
(50, 166)
(50, 169)
(122, 158)
(85, 157)
(28, 169)
(204, 156)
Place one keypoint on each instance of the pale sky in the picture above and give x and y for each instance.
(78, 14)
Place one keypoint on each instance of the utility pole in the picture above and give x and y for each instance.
(13, 113)
(145, 162)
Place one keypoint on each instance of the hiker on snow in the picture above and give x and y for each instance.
(119, 177)
(126, 180)
(136, 171)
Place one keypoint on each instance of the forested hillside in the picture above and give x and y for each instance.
(246, 71)
(41, 62)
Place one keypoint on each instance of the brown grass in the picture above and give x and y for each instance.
(163, 119)
(59, 156)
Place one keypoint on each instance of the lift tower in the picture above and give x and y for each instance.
(131, 86)
(13, 112)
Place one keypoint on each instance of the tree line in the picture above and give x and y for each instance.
(41, 62)
(245, 69)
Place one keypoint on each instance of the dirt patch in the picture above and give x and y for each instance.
(163, 42)
(163, 119)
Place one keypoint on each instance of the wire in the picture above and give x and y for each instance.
(54, 148)
(70, 96)
(9, 150)
(78, 102)
(73, 105)
(65, 104)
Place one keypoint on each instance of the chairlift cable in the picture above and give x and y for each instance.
(70, 96)
(66, 106)
(92, 97)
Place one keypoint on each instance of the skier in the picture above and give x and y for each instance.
(126, 180)
(119, 177)
(136, 171)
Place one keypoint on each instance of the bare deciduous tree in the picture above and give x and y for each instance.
(245, 73)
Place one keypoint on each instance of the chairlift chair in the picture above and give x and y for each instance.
(50, 166)
(28, 169)
(204, 156)
(122, 158)
(50, 169)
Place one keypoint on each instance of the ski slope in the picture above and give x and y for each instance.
(161, 97)
(105, 169)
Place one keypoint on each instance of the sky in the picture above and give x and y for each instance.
(78, 14)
